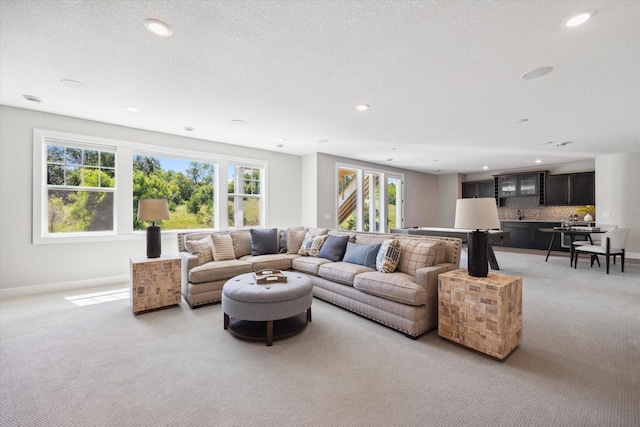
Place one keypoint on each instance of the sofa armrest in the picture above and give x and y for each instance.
(189, 261)
(428, 278)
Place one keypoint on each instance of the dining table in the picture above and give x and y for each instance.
(572, 233)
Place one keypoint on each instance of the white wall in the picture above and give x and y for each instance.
(63, 266)
(309, 197)
(617, 193)
(449, 190)
(420, 191)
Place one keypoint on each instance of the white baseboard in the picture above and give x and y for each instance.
(22, 291)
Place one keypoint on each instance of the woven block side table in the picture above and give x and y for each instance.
(482, 313)
(155, 282)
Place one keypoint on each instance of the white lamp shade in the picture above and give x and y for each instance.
(153, 209)
(477, 214)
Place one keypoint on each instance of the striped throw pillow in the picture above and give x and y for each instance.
(223, 247)
(388, 256)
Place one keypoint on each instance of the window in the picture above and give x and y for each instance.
(244, 186)
(87, 188)
(369, 200)
(80, 187)
(187, 185)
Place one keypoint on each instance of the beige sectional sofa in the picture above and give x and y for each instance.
(405, 299)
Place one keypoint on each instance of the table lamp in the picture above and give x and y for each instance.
(478, 214)
(153, 210)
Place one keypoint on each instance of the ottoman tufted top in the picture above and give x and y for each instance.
(245, 289)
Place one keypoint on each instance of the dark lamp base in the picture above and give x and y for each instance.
(478, 262)
(154, 243)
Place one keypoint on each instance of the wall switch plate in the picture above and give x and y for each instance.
(606, 214)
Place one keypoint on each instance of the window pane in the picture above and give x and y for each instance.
(91, 158)
(73, 176)
(55, 154)
(188, 186)
(73, 156)
(108, 178)
(347, 199)
(79, 211)
(55, 175)
(393, 185)
(247, 208)
(107, 160)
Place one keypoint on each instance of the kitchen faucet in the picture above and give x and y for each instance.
(520, 214)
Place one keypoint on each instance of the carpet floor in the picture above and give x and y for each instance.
(62, 364)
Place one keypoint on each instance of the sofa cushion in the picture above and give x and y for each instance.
(342, 272)
(282, 241)
(272, 261)
(264, 242)
(202, 248)
(218, 270)
(222, 247)
(388, 256)
(362, 254)
(241, 243)
(318, 231)
(333, 248)
(415, 255)
(307, 264)
(311, 245)
(396, 286)
(295, 237)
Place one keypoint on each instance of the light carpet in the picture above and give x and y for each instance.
(99, 365)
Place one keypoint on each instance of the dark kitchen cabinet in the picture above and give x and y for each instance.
(570, 189)
(477, 189)
(521, 185)
(527, 235)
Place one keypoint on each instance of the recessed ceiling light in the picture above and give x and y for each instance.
(537, 73)
(32, 98)
(189, 128)
(158, 27)
(238, 122)
(323, 141)
(517, 122)
(74, 84)
(580, 18)
(132, 109)
(279, 145)
(538, 161)
(362, 107)
(485, 167)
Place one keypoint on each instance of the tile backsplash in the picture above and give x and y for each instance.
(533, 211)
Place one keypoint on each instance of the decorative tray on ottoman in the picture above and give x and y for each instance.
(270, 276)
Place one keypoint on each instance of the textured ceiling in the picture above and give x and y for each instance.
(442, 77)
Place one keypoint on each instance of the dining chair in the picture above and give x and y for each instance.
(595, 238)
(613, 243)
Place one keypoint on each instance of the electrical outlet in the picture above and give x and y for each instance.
(606, 214)
(327, 216)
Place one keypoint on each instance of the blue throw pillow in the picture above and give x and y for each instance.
(362, 254)
(264, 242)
(333, 248)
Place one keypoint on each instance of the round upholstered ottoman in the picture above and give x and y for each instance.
(248, 305)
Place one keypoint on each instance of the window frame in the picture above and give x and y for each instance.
(235, 195)
(123, 200)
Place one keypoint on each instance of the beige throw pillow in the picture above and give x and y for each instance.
(202, 248)
(295, 239)
(223, 247)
